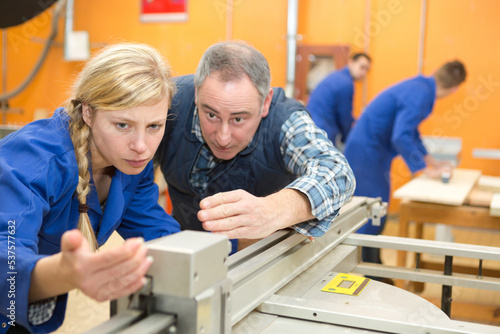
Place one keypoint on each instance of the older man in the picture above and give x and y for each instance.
(242, 159)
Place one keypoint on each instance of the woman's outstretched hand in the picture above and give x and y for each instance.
(104, 275)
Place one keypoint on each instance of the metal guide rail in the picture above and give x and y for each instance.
(278, 285)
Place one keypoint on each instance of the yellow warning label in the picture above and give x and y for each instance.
(346, 284)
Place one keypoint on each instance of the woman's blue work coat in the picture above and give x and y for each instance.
(388, 127)
(38, 178)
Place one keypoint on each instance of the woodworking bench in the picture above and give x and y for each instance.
(464, 202)
(465, 215)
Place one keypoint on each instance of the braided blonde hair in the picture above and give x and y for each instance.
(120, 76)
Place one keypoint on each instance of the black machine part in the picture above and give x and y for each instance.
(15, 12)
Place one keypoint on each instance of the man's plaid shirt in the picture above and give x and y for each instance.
(323, 173)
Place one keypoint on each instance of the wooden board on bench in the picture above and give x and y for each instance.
(433, 190)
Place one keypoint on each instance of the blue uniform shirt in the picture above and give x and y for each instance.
(387, 128)
(38, 179)
(330, 104)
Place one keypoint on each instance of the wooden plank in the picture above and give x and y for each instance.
(479, 197)
(495, 205)
(489, 183)
(466, 216)
(426, 189)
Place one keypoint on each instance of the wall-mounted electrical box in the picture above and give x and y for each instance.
(76, 46)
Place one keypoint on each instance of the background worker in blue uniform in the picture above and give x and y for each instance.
(249, 157)
(389, 127)
(87, 167)
(330, 103)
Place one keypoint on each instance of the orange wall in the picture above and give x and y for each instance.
(464, 29)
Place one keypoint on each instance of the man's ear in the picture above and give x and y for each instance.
(267, 103)
(87, 114)
(453, 89)
(443, 92)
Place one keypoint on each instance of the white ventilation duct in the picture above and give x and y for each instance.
(291, 37)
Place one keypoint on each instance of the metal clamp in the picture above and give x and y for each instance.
(376, 211)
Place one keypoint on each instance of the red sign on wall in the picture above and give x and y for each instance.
(163, 10)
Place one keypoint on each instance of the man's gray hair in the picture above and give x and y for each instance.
(233, 60)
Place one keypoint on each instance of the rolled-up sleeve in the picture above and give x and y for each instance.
(323, 173)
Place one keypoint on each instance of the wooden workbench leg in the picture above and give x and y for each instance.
(403, 232)
(420, 230)
(418, 286)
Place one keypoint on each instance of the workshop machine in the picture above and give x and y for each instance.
(287, 283)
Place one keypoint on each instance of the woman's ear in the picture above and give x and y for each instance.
(86, 114)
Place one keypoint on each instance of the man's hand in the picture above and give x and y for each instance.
(438, 169)
(239, 214)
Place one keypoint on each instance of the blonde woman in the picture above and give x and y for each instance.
(68, 182)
